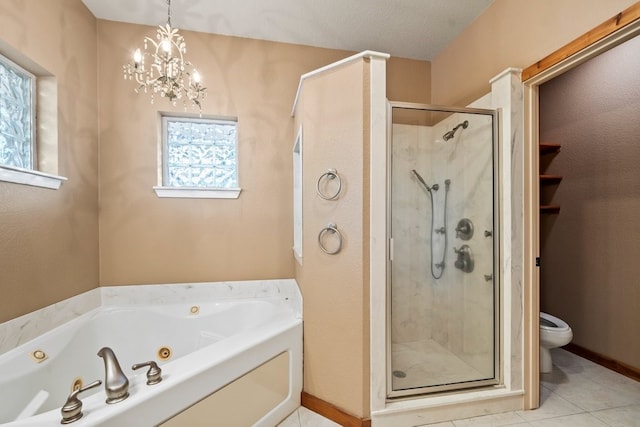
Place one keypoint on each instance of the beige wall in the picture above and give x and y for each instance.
(49, 238)
(590, 249)
(511, 33)
(145, 239)
(408, 80)
(49, 248)
(332, 113)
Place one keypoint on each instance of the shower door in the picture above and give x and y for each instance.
(443, 276)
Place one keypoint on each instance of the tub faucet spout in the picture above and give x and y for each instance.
(116, 384)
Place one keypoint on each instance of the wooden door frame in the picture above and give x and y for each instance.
(616, 30)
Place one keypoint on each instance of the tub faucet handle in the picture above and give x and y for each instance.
(154, 374)
(72, 409)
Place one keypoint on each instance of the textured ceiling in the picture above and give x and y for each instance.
(417, 29)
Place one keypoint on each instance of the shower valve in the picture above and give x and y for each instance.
(465, 259)
(463, 250)
(464, 230)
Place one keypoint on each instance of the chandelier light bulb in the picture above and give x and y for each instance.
(166, 45)
(137, 57)
(196, 77)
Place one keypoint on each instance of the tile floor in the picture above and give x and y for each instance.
(578, 393)
(306, 418)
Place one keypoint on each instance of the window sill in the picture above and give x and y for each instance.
(198, 193)
(30, 177)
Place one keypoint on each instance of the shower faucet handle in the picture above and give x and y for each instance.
(154, 374)
(464, 261)
(464, 229)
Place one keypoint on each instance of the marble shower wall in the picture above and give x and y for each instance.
(456, 310)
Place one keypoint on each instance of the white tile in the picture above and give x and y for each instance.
(591, 395)
(554, 378)
(292, 420)
(614, 381)
(620, 417)
(569, 362)
(311, 419)
(445, 424)
(578, 420)
(551, 405)
(494, 420)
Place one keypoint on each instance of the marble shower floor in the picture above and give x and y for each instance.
(427, 363)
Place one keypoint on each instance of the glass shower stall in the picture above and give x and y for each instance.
(442, 280)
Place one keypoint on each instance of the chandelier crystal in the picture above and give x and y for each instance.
(162, 69)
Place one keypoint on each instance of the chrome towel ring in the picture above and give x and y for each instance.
(330, 174)
(333, 229)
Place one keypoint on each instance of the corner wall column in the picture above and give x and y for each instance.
(507, 95)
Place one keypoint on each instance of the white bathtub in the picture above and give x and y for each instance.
(216, 333)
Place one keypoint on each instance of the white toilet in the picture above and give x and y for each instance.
(554, 333)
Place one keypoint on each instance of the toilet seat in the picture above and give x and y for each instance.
(554, 333)
(552, 324)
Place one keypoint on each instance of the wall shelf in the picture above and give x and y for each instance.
(549, 179)
(549, 147)
(546, 179)
(549, 209)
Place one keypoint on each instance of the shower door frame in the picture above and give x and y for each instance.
(393, 395)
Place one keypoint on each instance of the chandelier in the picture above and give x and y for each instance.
(162, 69)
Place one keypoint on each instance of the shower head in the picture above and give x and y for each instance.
(447, 136)
(435, 186)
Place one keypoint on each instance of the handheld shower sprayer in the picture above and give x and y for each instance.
(437, 268)
(434, 187)
(447, 136)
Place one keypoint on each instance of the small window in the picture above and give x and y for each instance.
(199, 154)
(17, 116)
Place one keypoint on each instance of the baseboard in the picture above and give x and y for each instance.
(331, 412)
(607, 362)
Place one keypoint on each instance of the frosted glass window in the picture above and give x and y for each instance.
(200, 153)
(17, 134)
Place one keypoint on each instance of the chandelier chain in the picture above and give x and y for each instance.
(169, 12)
